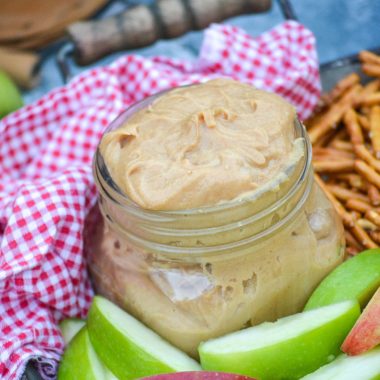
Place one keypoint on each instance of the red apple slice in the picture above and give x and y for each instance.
(366, 332)
(198, 375)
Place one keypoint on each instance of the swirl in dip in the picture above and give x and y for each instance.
(215, 222)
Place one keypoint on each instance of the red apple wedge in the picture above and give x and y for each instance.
(366, 332)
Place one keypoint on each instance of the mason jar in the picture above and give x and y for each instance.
(191, 275)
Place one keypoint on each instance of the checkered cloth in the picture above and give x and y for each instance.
(46, 185)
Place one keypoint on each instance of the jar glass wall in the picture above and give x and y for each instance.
(195, 274)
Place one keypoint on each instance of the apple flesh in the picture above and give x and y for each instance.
(357, 278)
(362, 367)
(130, 349)
(366, 332)
(286, 349)
(69, 328)
(198, 375)
(80, 361)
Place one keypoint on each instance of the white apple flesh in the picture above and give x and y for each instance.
(362, 367)
(286, 349)
(130, 349)
(69, 328)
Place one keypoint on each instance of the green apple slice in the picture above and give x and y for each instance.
(357, 278)
(69, 328)
(130, 349)
(362, 367)
(80, 361)
(10, 98)
(286, 349)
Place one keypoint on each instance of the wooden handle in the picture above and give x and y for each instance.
(142, 25)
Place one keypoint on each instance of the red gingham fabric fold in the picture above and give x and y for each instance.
(46, 185)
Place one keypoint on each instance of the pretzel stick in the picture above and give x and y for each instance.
(329, 137)
(345, 194)
(332, 153)
(363, 153)
(370, 88)
(364, 122)
(326, 138)
(370, 99)
(362, 236)
(373, 217)
(374, 120)
(354, 181)
(367, 225)
(334, 166)
(369, 57)
(374, 195)
(357, 205)
(367, 172)
(375, 235)
(351, 241)
(334, 114)
(352, 126)
(341, 145)
(371, 69)
(342, 86)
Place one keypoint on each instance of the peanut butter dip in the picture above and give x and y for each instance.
(192, 273)
(200, 145)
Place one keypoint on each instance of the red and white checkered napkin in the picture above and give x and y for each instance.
(46, 186)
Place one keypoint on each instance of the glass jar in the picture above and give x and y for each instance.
(196, 274)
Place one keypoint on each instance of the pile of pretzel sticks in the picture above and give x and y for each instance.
(345, 135)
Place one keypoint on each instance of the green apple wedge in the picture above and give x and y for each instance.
(361, 367)
(289, 348)
(129, 348)
(10, 98)
(69, 328)
(357, 278)
(80, 361)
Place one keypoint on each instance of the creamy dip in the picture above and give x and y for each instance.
(192, 273)
(200, 145)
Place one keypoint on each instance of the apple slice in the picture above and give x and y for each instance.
(80, 361)
(130, 349)
(357, 278)
(198, 375)
(286, 349)
(69, 328)
(362, 367)
(366, 332)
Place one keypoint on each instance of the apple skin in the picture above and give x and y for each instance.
(291, 358)
(366, 332)
(357, 278)
(80, 361)
(198, 375)
(127, 359)
(361, 367)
